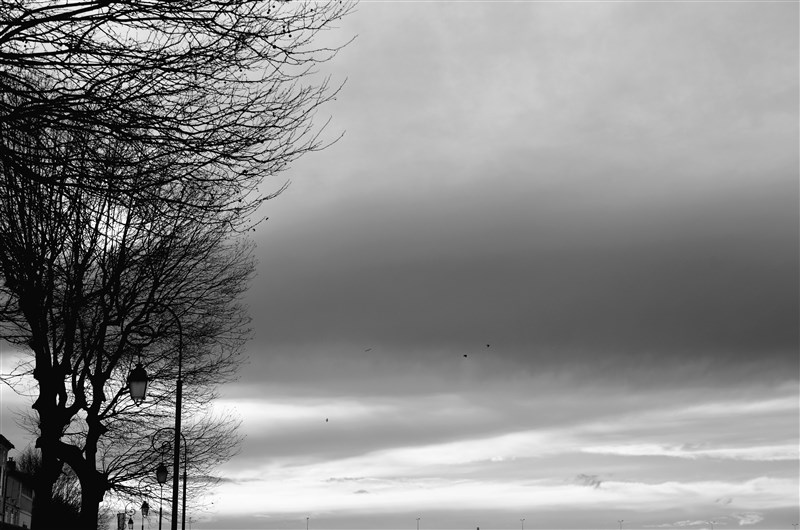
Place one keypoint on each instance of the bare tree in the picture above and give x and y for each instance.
(221, 92)
(135, 139)
(66, 491)
(131, 467)
(88, 273)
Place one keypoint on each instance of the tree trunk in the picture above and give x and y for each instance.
(90, 505)
(44, 517)
(93, 487)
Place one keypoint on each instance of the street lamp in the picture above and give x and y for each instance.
(129, 512)
(620, 521)
(141, 374)
(137, 383)
(307, 523)
(522, 523)
(161, 477)
(417, 523)
(145, 512)
(712, 524)
(165, 447)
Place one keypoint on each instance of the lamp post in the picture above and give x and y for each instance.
(138, 390)
(129, 512)
(417, 523)
(620, 521)
(307, 518)
(161, 477)
(145, 512)
(522, 523)
(176, 455)
(165, 447)
(712, 524)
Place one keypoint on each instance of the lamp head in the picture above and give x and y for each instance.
(137, 382)
(161, 473)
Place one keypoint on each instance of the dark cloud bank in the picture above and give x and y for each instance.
(712, 281)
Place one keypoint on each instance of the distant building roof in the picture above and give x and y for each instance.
(5, 443)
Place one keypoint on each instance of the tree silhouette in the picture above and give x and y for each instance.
(89, 276)
(220, 92)
(66, 491)
(135, 138)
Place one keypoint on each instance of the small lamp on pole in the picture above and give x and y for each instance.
(145, 512)
(137, 383)
(161, 477)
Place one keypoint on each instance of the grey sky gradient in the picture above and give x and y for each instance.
(607, 195)
(571, 182)
(604, 193)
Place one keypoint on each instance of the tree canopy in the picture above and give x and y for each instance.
(134, 142)
(222, 93)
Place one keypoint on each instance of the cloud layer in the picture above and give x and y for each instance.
(551, 269)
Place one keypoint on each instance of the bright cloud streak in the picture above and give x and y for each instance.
(285, 414)
(479, 471)
(364, 495)
(763, 453)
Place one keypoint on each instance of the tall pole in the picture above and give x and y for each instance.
(620, 521)
(160, 503)
(417, 523)
(522, 524)
(176, 455)
(306, 523)
(185, 465)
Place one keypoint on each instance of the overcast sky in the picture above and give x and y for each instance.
(597, 204)
(550, 272)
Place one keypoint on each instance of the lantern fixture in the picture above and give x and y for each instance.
(137, 383)
(161, 473)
